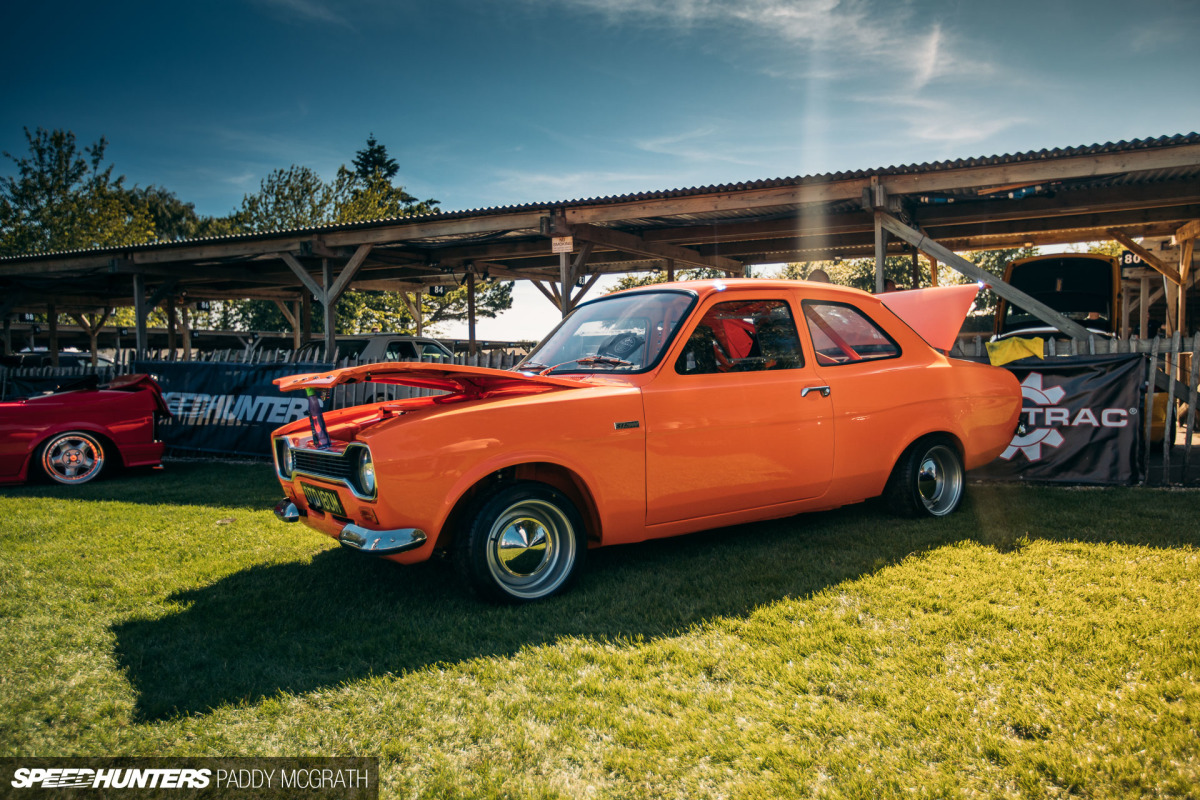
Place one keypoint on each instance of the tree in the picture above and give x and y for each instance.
(297, 197)
(373, 163)
(635, 279)
(63, 198)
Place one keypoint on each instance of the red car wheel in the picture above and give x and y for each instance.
(72, 458)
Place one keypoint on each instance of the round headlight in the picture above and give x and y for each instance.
(287, 460)
(366, 473)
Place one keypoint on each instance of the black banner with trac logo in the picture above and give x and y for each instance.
(226, 408)
(1081, 421)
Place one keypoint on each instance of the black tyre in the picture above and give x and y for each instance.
(72, 458)
(522, 543)
(927, 480)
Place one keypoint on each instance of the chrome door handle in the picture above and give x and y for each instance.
(824, 390)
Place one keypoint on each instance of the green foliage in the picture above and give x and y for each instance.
(63, 198)
(635, 279)
(373, 163)
(297, 197)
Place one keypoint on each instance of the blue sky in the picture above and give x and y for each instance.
(497, 103)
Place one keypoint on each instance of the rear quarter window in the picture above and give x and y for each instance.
(845, 334)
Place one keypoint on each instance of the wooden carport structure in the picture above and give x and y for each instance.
(1144, 189)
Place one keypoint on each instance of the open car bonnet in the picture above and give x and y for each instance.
(460, 381)
(936, 314)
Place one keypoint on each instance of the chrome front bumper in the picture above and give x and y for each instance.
(356, 537)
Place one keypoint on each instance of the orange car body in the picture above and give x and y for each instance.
(665, 449)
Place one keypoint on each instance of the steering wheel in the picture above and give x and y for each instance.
(621, 345)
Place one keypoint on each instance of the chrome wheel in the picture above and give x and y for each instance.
(72, 458)
(939, 480)
(530, 549)
(928, 480)
(524, 542)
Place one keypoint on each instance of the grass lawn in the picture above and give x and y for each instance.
(1041, 642)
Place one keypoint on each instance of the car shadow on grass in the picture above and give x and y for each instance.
(343, 616)
(299, 627)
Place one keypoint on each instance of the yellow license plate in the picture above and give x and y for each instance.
(321, 499)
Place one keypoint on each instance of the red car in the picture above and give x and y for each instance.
(71, 436)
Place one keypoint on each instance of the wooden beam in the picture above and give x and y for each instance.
(957, 262)
(628, 243)
(348, 271)
(587, 287)
(541, 287)
(298, 269)
(287, 313)
(1188, 232)
(1147, 257)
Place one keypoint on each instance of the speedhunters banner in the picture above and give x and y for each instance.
(1081, 421)
(224, 407)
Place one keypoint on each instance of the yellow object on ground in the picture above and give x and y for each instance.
(1007, 350)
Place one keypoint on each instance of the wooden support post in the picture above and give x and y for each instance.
(916, 269)
(1185, 266)
(306, 300)
(880, 251)
(933, 276)
(330, 305)
(141, 338)
(670, 270)
(1124, 311)
(297, 335)
(471, 314)
(171, 330)
(187, 332)
(52, 323)
(413, 304)
(564, 281)
(1144, 308)
(91, 326)
(1172, 292)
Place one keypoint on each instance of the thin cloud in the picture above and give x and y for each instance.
(843, 38)
(308, 11)
(700, 144)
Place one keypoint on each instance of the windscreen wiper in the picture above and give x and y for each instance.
(608, 361)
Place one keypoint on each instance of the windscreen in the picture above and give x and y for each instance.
(622, 333)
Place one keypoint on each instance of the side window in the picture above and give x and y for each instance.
(400, 351)
(843, 334)
(431, 352)
(742, 336)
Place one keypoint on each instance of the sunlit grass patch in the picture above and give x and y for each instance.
(1040, 642)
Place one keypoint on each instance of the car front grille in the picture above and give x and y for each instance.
(324, 464)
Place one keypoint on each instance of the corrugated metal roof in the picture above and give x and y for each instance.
(707, 218)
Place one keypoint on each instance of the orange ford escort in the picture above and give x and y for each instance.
(647, 413)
